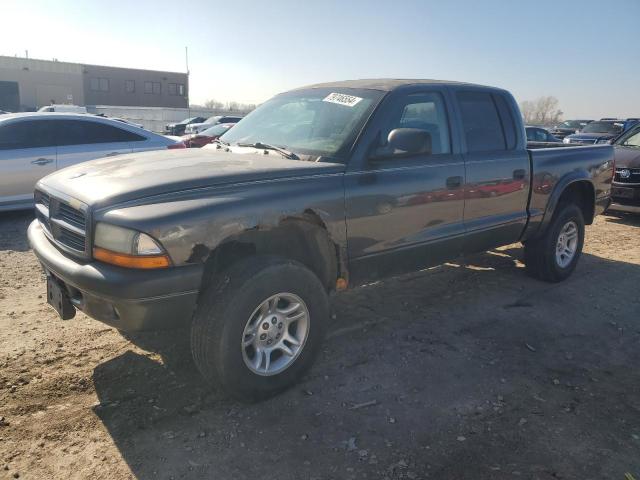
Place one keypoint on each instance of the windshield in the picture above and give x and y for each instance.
(612, 128)
(216, 130)
(630, 139)
(213, 119)
(322, 121)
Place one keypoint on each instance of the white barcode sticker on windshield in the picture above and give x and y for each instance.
(342, 99)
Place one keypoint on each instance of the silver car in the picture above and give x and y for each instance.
(33, 145)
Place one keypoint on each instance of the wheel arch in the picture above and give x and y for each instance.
(302, 237)
(576, 187)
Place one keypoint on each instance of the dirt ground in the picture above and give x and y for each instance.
(467, 371)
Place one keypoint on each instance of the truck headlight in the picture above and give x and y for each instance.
(129, 248)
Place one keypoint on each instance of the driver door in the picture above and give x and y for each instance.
(405, 213)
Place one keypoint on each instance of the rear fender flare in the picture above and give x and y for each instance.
(559, 188)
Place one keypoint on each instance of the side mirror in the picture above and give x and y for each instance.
(403, 142)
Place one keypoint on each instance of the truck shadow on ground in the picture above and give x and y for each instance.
(13, 230)
(465, 371)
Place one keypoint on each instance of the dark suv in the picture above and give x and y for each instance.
(602, 131)
(625, 190)
(568, 127)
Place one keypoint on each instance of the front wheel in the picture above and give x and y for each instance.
(259, 326)
(553, 256)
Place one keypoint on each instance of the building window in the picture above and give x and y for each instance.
(152, 87)
(129, 86)
(175, 89)
(99, 84)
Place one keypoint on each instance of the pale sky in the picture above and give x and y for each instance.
(583, 52)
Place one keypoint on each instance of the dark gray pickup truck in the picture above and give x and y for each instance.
(319, 189)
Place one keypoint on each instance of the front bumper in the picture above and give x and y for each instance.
(128, 299)
(629, 203)
(624, 207)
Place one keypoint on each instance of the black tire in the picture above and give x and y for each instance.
(224, 309)
(540, 253)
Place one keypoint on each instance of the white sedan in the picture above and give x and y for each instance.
(33, 145)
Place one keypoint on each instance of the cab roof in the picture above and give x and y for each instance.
(385, 84)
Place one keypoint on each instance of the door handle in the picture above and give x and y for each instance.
(112, 154)
(42, 161)
(519, 174)
(454, 182)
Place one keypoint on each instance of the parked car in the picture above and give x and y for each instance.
(179, 127)
(211, 121)
(128, 122)
(207, 136)
(33, 145)
(601, 131)
(318, 189)
(630, 122)
(625, 189)
(568, 127)
(63, 109)
(117, 119)
(538, 134)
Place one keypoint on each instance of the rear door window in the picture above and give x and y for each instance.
(78, 132)
(482, 127)
(27, 134)
(508, 123)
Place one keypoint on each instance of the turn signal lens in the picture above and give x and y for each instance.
(131, 261)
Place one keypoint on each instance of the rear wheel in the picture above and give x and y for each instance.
(553, 256)
(259, 326)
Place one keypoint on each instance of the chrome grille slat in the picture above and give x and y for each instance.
(71, 215)
(44, 199)
(71, 239)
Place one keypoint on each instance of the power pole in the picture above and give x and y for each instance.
(186, 59)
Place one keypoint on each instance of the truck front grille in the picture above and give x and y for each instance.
(64, 223)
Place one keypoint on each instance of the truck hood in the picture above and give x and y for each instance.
(133, 176)
(627, 157)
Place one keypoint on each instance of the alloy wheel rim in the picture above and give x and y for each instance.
(567, 244)
(275, 334)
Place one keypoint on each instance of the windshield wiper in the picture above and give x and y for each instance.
(266, 146)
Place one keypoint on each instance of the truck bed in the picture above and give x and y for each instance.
(550, 163)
